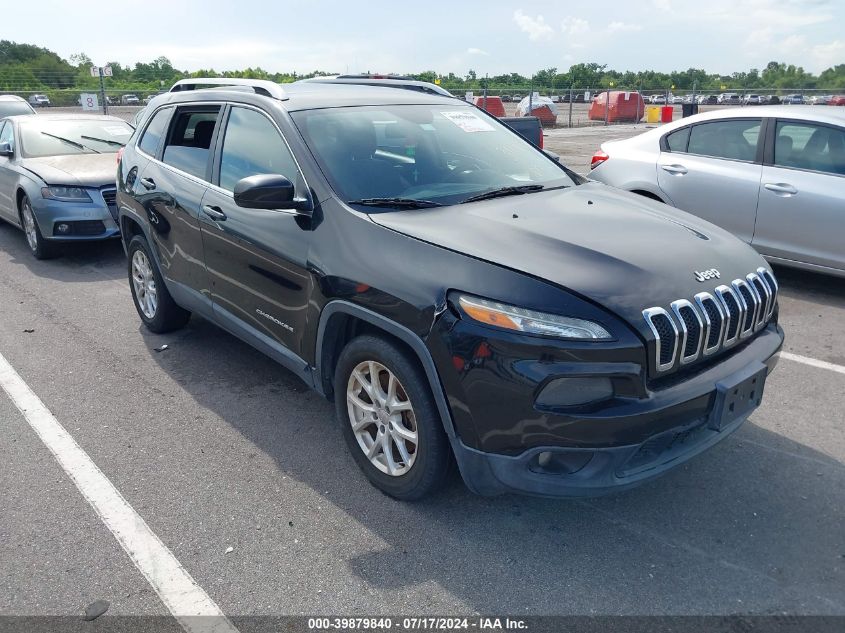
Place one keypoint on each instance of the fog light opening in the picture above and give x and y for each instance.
(63, 228)
(560, 462)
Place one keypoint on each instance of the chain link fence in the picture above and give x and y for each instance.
(572, 103)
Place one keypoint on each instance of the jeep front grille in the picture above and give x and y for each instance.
(713, 321)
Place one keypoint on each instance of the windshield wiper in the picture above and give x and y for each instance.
(103, 140)
(70, 142)
(402, 203)
(504, 191)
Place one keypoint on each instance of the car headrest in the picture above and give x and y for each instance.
(202, 134)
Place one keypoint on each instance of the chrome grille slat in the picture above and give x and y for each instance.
(688, 333)
(649, 315)
(711, 322)
(703, 300)
(769, 279)
(765, 296)
(733, 314)
(749, 308)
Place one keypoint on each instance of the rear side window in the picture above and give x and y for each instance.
(153, 133)
(253, 146)
(677, 141)
(734, 140)
(188, 143)
(10, 108)
(809, 146)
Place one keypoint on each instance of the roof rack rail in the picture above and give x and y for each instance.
(260, 86)
(376, 76)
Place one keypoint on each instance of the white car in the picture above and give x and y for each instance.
(773, 176)
(39, 101)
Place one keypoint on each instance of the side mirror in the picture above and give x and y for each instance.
(6, 149)
(269, 191)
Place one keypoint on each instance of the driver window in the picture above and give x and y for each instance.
(253, 146)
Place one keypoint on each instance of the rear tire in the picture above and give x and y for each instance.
(155, 306)
(40, 247)
(389, 419)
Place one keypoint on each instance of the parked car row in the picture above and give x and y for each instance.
(460, 296)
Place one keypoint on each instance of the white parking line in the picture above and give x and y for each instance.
(180, 593)
(821, 364)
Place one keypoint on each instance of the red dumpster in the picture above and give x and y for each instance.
(624, 106)
(666, 114)
(494, 105)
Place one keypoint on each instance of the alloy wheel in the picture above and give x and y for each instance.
(382, 418)
(29, 226)
(143, 281)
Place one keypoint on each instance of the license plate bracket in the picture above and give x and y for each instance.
(738, 395)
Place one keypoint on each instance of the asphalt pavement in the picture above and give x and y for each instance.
(242, 473)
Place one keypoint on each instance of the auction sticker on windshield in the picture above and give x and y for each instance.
(468, 121)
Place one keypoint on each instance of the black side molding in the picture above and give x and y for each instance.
(413, 341)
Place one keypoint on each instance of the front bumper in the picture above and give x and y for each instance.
(86, 220)
(609, 448)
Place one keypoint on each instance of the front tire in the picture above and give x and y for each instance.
(38, 245)
(390, 421)
(153, 302)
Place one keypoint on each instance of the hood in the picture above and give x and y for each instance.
(81, 170)
(621, 250)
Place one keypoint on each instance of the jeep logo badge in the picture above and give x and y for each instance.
(704, 275)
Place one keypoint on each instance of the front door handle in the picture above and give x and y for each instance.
(781, 188)
(674, 169)
(148, 183)
(215, 213)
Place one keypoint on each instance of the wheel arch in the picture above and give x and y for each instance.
(19, 196)
(341, 321)
(129, 228)
(646, 193)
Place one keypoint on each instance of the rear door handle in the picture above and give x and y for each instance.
(781, 188)
(215, 213)
(148, 183)
(674, 169)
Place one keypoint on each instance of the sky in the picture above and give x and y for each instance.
(490, 37)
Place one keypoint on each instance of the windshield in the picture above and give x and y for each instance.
(442, 154)
(10, 108)
(72, 136)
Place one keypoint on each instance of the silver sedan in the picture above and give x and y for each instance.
(774, 176)
(57, 177)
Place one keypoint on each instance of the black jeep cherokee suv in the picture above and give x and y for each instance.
(462, 297)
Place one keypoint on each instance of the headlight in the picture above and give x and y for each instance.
(530, 321)
(65, 194)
